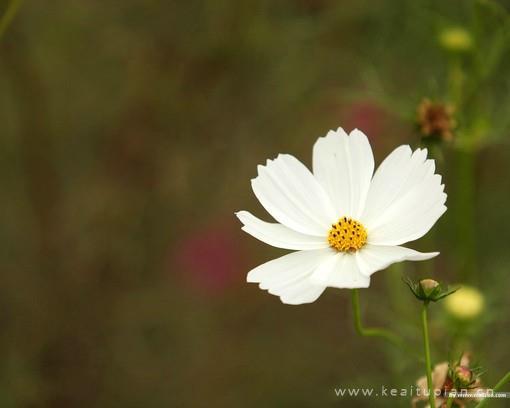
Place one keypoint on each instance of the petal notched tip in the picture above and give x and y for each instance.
(358, 133)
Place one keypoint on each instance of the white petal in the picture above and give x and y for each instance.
(290, 193)
(344, 165)
(289, 276)
(405, 198)
(389, 180)
(340, 271)
(279, 235)
(302, 292)
(373, 258)
(412, 216)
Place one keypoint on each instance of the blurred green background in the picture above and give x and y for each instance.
(129, 133)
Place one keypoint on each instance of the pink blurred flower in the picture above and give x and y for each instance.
(209, 259)
(368, 117)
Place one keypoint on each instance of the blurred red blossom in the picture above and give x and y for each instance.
(367, 116)
(209, 258)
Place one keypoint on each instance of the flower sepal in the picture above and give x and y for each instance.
(429, 290)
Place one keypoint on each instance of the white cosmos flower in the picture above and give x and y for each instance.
(343, 221)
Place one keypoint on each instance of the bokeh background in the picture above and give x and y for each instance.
(129, 133)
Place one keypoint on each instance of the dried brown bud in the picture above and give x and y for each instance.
(436, 119)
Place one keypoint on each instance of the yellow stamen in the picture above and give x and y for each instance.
(347, 235)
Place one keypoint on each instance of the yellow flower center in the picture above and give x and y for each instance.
(347, 235)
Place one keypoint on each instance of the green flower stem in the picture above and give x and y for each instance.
(456, 81)
(427, 354)
(466, 219)
(449, 402)
(371, 332)
(497, 387)
(10, 11)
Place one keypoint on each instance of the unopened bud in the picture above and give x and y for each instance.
(428, 286)
(428, 290)
(466, 304)
(463, 375)
(456, 39)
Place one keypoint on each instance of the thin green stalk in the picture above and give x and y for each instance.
(466, 219)
(428, 362)
(456, 81)
(449, 402)
(371, 332)
(10, 11)
(497, 387)
(398, 300)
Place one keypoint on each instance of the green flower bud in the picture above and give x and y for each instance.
(428, 286)
(463, 375)
(456, 39)
(428, 290)
(465, 304)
